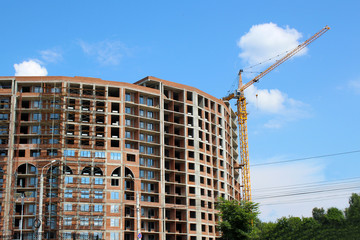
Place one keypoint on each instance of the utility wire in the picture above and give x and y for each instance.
(304, 200)
(333, 182)
(303, 159)
(342, 187)
(329, 186)
(309, 192)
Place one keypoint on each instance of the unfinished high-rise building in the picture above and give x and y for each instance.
(84, 158)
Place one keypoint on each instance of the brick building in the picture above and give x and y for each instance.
(86, 158)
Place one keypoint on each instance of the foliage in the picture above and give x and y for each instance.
(236, 219)
(332, 224)
(352, 213)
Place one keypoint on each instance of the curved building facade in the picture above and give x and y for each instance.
(84, 158)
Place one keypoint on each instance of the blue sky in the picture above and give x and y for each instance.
(306, 107)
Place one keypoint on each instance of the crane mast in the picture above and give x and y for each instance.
(242, 113)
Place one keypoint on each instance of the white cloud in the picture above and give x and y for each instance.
(275, 103)
(106, 52)
(267, 40)
(261, 43)
(354, 85)
(30, 68)
(270, 101)
(51, 55)
(269, 181)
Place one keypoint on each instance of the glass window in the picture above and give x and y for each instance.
(151, 175)
(127, 122)
(68, 193)
(84, 235)
(36, 117)
(69, 153)
(98, 181)
(127, 134)
(68, 207)
(114, 236)
(85, 194)
(142, 137)
(115, 156)
(127, 97)
(4, 116)
(141, 113)
(150, 102)
(35, 153)
(35, 141)
(142, 149)
(85, 154)
(141, 100)
(37, 89)
(128, 110)
(66, 235)
(114, 195)
(54, 116)
(142, 173)
(84, 221)
(114, 222)
(99, 154)
(55, 104)
(36, 129)
(142, 161)
(84, 207)
(98, 208)
(150, 150)
(37, 104)
(53, 141)
(142, 125)
(150, 138)
(85, 180)
(54, 129)
(69, 179)
(3, 130)
(150, 114)
(98, 195)
(142, 187)
(55, 90)
(150, 126)
(150, 162)
(98, 222)
(52, 152)
(31, 208)
(67, 221)
(114, 208)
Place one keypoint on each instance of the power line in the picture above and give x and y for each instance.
(305, 200)
(303, 159)
(309, 184)
(309, 192)
(308, 188)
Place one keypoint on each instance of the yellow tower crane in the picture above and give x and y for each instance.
(242, 114)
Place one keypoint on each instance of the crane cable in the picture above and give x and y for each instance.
(233, 86)
(271, 58)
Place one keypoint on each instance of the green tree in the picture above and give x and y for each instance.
(264, 230)
(236, 219)
(334, 216)
(318, 214)
(352, 213)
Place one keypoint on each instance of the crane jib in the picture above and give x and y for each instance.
(242, 113)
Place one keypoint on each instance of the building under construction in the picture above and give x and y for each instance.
(84, 158)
